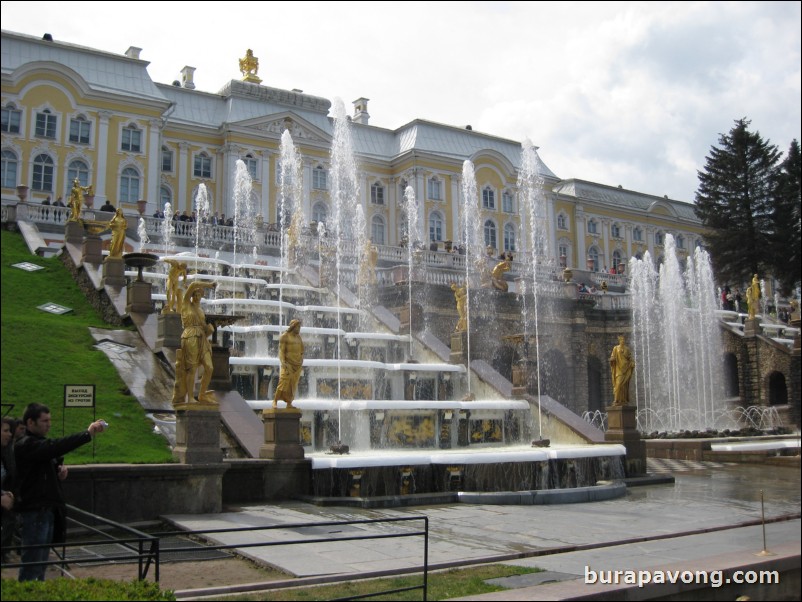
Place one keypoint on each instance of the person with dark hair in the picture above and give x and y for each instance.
(7, 484)
(40, 469)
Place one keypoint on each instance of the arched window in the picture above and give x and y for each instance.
(490, 234)
(42, 173)
(320, 178)
(377, 193)
(77, 169)
(618, 260)
(562, 222)
(564, 252)
(165, 196)
(377, 230)
(509, 237)
(488, 198)
(129, 185)
(9, 169)
(320, 212)
(435, 226)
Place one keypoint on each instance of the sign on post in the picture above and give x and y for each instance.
(79, 396)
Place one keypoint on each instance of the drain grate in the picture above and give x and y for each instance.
(81, 556)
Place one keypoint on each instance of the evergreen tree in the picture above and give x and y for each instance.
(787, 251)
(735, 201)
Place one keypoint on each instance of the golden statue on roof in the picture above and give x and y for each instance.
(249, 66)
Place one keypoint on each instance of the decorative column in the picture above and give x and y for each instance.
(183, 173)
(581, 252)
(608, 252)
(154, 163)
(102, 155)
(456, 203)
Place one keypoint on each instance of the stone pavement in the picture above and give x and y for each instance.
(707, 512)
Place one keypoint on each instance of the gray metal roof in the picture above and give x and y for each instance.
(102, 71)
(621, 197)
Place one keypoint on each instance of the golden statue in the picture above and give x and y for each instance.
(196, 349)
(753, 297)
(178, 269)
(249, 66)
(461, 295)
(76, 202)
(367, 266)
(622, 365)
(118, 225)
(291, 358)
(497, 275)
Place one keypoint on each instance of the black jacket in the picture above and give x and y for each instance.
(37, 479)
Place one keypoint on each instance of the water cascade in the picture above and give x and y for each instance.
(472, 244)
(413, 235)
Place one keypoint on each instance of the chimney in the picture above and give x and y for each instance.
(133, 52)
(187, 73)
(361, 111)
(47, 37)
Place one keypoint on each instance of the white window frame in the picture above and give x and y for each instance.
(436, 226)
(9, 112)
(84, 130)
(43, 171)
(378, 230)
(10, 159)
(167, 156)
(77, 171)
(320, 178)
(510, 238)
(128, 176)
(488, 198)
(131, 139)
(202, 166)
(377, 193)
(507, 202)
(434, 189)
(490, 233)
(49, 128)
(593, 226)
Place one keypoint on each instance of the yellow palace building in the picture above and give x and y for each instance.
(74, 112)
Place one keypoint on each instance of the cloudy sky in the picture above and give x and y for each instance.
(621, 93)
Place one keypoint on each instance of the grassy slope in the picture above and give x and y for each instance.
(42, 352)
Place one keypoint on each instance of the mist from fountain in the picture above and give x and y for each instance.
(676, 343)
(168, 226)
(290, 207)
(413, 235)
(201, 217)
(472, 244)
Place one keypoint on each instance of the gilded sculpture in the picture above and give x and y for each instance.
(497, 275)
(753, 297)
(196, 349)
(622, 365)
(461, 297)
(76, 202)
(178, 270)
(118, 225)
(291, 359)
(249, 66)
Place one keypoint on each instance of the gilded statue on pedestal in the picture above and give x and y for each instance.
(291, 358)
(753, 297)
(622, 365)
(196, 349)
(118, 225)
(178, 269)
(76, 201)
(367, 265)
(461, 296)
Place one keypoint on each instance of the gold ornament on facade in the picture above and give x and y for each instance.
(249, 66)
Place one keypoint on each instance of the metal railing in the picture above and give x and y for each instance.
(417, 532)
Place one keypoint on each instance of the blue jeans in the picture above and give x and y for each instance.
(37, 528)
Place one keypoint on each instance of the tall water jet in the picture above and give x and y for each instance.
(534, 231)
(345, 199)
(413, 235)
(290, 210)
(472, 245)
(201, 217)
(679, 382)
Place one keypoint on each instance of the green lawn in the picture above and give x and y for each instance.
(42, 352)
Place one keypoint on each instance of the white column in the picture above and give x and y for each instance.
(552, 225)
(608, 253)
(266, 178)
(581, 252)
(456, 201)
(393, 205)
(420, 197)
(628, 235)
(102, 156)
(154, 164)
(306, 189)
(650, 242)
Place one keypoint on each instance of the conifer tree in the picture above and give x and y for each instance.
(787, 243)
(735, 201)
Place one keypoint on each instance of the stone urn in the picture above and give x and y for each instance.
(141, 206)
(22, 192)
(567, 275)
(89, 200)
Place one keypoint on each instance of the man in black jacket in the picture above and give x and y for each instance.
(39, 470)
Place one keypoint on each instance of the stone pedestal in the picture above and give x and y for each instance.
(139, 299)
(282, 434)
(92, 249)
(622, 429)
(73, 232)
(168, 331)
(221, 374)
(459, 348)
(751, 327)
(197, 434)
(114, 272)
(521, 373)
